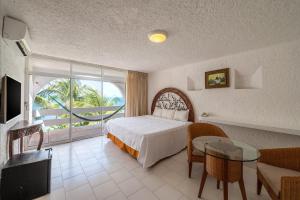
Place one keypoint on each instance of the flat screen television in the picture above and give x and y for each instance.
(10, 99)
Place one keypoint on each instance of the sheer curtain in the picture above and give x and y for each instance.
(136, 94)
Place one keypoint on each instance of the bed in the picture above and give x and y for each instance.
(151, 138)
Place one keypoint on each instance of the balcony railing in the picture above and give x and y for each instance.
(53, 119)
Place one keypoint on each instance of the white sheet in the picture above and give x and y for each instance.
(155, 138)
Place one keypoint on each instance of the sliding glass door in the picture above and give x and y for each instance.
(51, 103)
(87, 105)
(114, 94)
(74, 100)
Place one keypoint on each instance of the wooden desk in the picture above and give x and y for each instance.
(24, 128)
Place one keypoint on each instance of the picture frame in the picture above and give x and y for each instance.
(217, 79)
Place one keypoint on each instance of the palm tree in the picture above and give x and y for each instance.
(83, 96)
(60, 90)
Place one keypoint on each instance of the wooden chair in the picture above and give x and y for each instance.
(278, 170)
(197, 130)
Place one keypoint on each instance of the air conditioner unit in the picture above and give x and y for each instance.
(16, 34)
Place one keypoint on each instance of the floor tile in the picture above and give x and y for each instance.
(105, 190)
(75, 182)
(120, 175)
(131, 164)
(99, 178)
(105, 172)
(152, 182)
(117, 196)
(65, 160)
(189, 187)
(167, 192)
(140, 172)
(112, 167)
(93, 169)
(68, 165)
(143, 194)
(55, 165)
(159, 170)
(173, 178)
(68, 173)
(55, 172)
(130, 186)
(54, 195)
(56, 182)
(85, 156)
(81, 193)
(184, 198)
(89, 162)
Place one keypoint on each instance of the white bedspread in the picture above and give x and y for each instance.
(155, 138)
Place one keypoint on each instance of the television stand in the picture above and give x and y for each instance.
(24, 128)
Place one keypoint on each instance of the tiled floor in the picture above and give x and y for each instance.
(96, 169)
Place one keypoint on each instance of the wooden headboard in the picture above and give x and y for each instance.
(172, 98)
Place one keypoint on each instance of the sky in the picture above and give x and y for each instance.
(110, 90)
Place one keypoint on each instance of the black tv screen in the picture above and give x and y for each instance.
(10, 99)
(13, 98)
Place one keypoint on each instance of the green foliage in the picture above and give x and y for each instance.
(83, 96)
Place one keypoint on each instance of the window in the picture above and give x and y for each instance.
(73, 99)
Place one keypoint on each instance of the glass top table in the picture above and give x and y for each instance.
(226, 148)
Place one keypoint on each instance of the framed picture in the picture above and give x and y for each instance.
(217, 78)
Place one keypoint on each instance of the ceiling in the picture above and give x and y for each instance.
(114, 32)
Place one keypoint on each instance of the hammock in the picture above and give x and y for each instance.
(84, 118)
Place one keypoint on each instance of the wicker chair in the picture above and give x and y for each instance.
(197, 130)
(278, 170)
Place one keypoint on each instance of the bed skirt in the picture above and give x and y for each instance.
(134, 153)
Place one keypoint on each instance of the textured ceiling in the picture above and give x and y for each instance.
(114, 32)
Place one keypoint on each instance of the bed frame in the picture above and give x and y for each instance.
(172, 98)
(168, 98)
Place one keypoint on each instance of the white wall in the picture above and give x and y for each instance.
(277, 103)
(12, 64)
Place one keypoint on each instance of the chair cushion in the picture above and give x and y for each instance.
(197, 152)
(273, 175)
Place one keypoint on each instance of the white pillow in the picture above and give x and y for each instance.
(157, 112)
(167, 113)
(181, 115)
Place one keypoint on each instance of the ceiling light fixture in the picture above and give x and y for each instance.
(157, 36)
